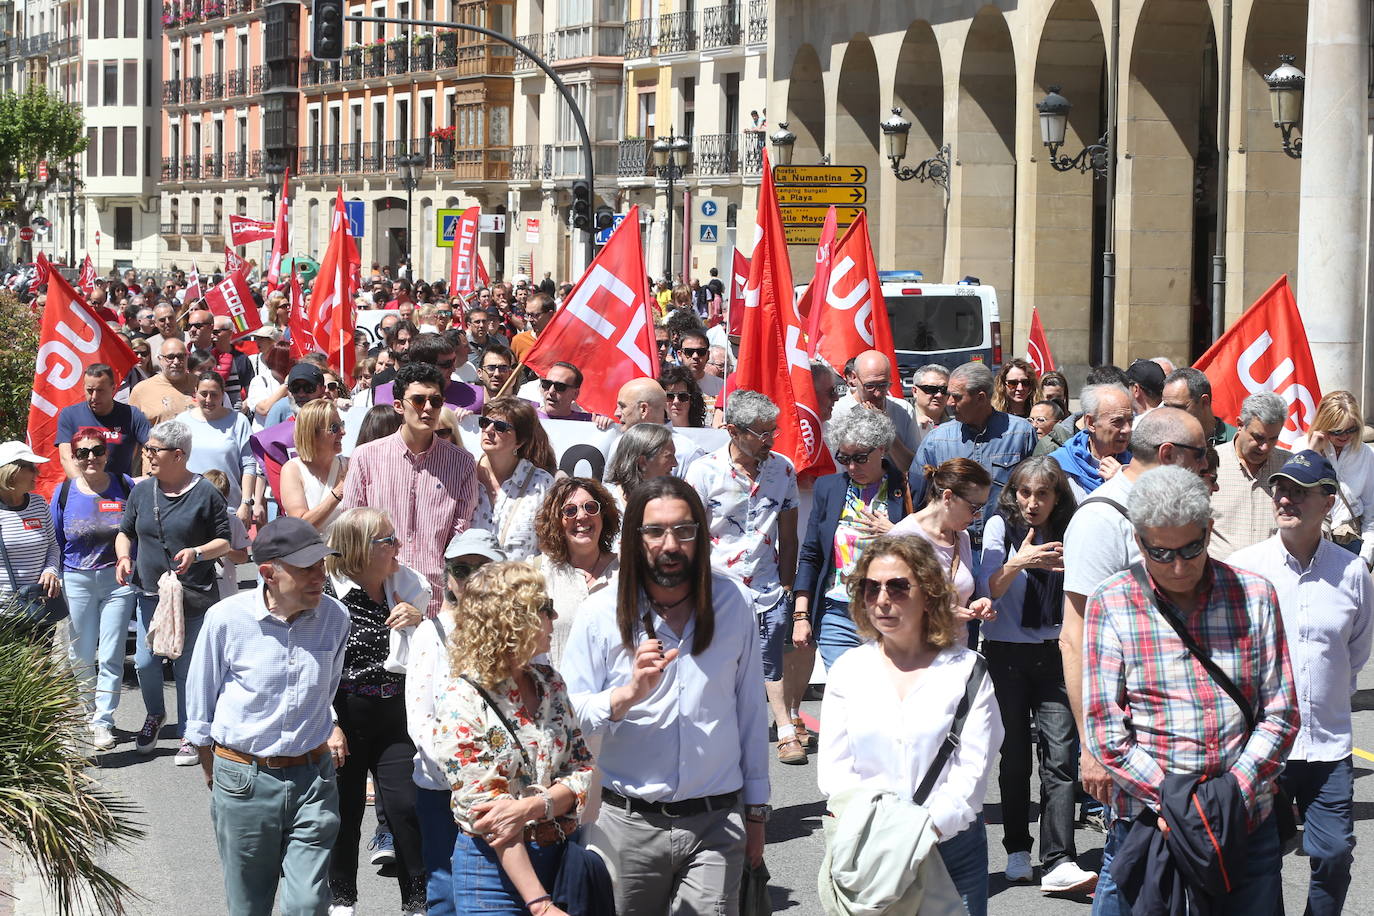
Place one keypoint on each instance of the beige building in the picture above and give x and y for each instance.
(969, 75)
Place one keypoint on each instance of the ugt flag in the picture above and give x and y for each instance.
(1038, 346)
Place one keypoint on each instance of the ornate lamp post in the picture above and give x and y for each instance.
(897, 131)
(1286, 85)
(1054, 122)
(670, 158)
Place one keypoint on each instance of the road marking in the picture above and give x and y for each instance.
(1364, 755)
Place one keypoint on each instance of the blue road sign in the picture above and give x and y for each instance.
(706, 232)
(604, 235)
(709, 208)
(355, 210)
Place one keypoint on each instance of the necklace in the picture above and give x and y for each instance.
(663, 609)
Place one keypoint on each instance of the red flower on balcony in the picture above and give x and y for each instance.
(443, 133)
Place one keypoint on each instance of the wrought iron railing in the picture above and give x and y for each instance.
(374, 61)
(213, 87)
(753, 151)
(524, 163)
(190, 90)
(236, 83)
(447, 55)
(236, 166)
(170, 168)
(677, 32)
(190, 171)
(171, 92)
(758, 22)
(720, 26)
(717, 154)
(639, 38)
(632, 159)
(213, 167)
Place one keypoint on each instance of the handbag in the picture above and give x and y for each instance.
(1348, 531)
(32, 605)
(1283, 804)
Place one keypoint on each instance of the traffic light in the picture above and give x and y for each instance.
(580, 215)
(605, 217)
(327, 30)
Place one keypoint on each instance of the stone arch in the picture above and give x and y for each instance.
(920, 206)
(858, 110)
(806, 106)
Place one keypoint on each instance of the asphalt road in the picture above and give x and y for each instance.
(176, 869)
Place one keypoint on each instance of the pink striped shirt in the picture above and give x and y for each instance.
(430, 496)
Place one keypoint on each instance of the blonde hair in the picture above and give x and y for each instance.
(1336, 410)
(351, 535)
(310, 422)
(498, 621)
(941, 627)
(450, 421)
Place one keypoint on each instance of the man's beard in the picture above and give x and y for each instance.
(670, 579)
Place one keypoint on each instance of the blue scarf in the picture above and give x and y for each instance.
(1078, 461)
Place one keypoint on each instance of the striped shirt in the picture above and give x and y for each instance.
(431, 496)
(30, 543)
(1150, 707)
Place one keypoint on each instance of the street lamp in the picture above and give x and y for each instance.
(1054, 123)
(897, 130)
(274, 171)
(1286, 85)
(783, 141)
(670, 158)
(71, 212)
(410, 166)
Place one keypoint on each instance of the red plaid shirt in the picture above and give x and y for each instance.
(1151, 708)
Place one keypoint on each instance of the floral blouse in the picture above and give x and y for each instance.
(511, 519)
(476, 752)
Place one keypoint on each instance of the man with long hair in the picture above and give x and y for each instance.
(667, 672)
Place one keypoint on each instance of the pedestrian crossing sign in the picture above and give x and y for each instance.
(707, 232)
(446, 224)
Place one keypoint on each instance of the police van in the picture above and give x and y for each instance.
(945, 323)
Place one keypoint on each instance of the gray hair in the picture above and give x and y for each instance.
(975, 376)
(1090, 398)
(173, 434)
(861, 427)
(1198, 383)
(821, 371)
(643, 440)
(931, 369)
(1154, 428)
(1265, 406)
(1169, 497)
(745, 408)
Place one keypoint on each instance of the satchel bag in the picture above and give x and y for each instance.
(32, 606)
(1348, 531)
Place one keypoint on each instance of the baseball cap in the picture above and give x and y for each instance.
(1308, 469)
(1148, 375)
(291, 540)
(11, 452)
(476, 542)
(305, 372)
(268, 331)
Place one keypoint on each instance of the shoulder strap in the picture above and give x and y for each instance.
(951, 742)
(62, 495)
(439, 628)
(1109, 502)
(486, 698)
(1212, 668)
(9, 567)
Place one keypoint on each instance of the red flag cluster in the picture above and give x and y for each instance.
(281, 234)
(330, 315)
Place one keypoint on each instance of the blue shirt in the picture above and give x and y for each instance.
(263, 686)
(999, 446)
(86, 525)
(703, 730)
(999, 546)
(125, 426)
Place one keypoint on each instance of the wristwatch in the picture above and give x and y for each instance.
(197, 554)
(248, 502)
(757, 812)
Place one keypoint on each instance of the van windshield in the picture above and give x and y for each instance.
(929, 324)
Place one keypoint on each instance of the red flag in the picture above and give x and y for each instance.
(462, 274)
(739, 278)
(298, 321)
(331, 307)
(807, 308)
(193, 290)
(71, 338)
(281, 234)
(1037, 346)
(1265, 350)
(234, 263)
(243, 229)
(86, 280)
(606, 325)
(772, 350)
(231, 297)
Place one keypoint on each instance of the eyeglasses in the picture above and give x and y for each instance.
(334, 428)
(496, 369)
(881, 385)
(897, 589)
(1167, 554)
(501, 426)
(934, 389)
(1197, 451)
(591, 507)
(1343, 433)
(976, 507)
(1018, 383)
(547, 383)
(655, 534)
(444, 314)
(766, 436)
(661, 344)
(694, 351)
(844, 460)
(174, 357)
(681, 396)
(151, 451)
(302, 388)
(197, 325)
(97, 451)
(334, 387)
(418, 401)
(389, 541)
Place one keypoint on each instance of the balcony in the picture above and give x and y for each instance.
(632, 159)
(585, 41)
(535, 42)
(67, 47)
(524, 163)
(170, 170)
(717, 154)
(753, 144)
(259, 79)
(374, 61)
(167, 228)
(255, 164)
(422, 54)
(190, 171)
(398, 56)
(189, 229)
(482, 165)
(447, 55)
(171, 92)
(639, 38)
(565, 160)
(236, 166)
(720, 26)
(758, 22)
(190, 91)
(213, 168)
(34, 45)
(677, 33)
(350, 158)
(212, 89)
(236, 83)
(211, 230)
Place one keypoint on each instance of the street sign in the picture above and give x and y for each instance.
(709, 209)
(43, 170)
(355, 209)
(604, 235)
(820, 174)
(808, 216)
(794, 195)
(802, 235)
(26, 233)
(492, 223)
(531, 230)
(707, 233)
(445, 225)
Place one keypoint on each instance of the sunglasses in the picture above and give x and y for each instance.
(845, 461)
(654, 534)
(461, 571)
(389, 541)
(694, 351)
(447, 364)
(1196, 450)
(1018, 383)
(495, 370)
(334, 387)
(662, 344)
(174, 357)
(334, 428)
(877, 386)
(1343, 433)
(418, 401)
(501, 426)
(897, 589)
(301, 388)
(682, 396)
(82, 454)
(934, 389)
(1167, 554)
(547, 383)
(591, 507)
(444, 314)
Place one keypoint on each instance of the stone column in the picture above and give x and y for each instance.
(1331, 281)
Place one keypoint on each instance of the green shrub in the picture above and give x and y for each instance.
(18, 350)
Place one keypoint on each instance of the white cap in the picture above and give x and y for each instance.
(11, 452)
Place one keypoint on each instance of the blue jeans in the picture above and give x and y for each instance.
(966, 859)
(1258, 893)
(275, 827)
(149, 666)
(835, 631)
(1324, 793)
(482, 885)
(100, 612)
(438, 835)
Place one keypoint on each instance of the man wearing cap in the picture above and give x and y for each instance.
(263, 675)
(1147, 385)
(304, 383)
(1326, 597)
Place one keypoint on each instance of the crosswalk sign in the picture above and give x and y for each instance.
(446, 227)
(706, 232)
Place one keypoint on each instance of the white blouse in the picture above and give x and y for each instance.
(568, 587)
(872, 738)
(517, 502)
(1355, 475)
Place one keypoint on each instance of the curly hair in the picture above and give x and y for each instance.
(533, 442)
(498, 622)
(940, 627)
(548, 523)
(1000, 401)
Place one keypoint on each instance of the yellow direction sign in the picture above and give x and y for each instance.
(794, 196)
(820, 174)
(809, 216)
(802, 235)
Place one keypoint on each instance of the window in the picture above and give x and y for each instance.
(93, 21)
(147, 152)
(124, 228)
(130, 137)
(111, 18)
(92, 151)
(574, 12)
(92, 84)
(148, 84)
(131, 82)
(567, 127)
(606, 114)
(500, 125)
(109, 152)
(689, 106)
(110, 82)
(131, 18)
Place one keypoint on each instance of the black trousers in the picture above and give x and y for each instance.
(377, 741)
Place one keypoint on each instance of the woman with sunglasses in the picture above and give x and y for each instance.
(86, 514)
(220, 440)
(32, 555)
(643, 452)
(1337, 434)
(577, 526)
(686, 406)
(312, 483)
(1014, 388)
(384, 601)
(143, 369)
(515, 470)
(849, 508)
(889, 705)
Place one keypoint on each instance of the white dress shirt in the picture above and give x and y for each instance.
(703, 730)
(427, 675)
(871, 738)
(1326, 611)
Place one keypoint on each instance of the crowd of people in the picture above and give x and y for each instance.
(563, 689)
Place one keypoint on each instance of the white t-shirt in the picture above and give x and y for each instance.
(1100, 541)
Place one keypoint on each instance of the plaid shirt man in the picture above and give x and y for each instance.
(1151, 708)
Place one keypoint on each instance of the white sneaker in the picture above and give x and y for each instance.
(1068, 878)
(102, 738)
(338, 909)
(187, 755)
(1018, 866)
